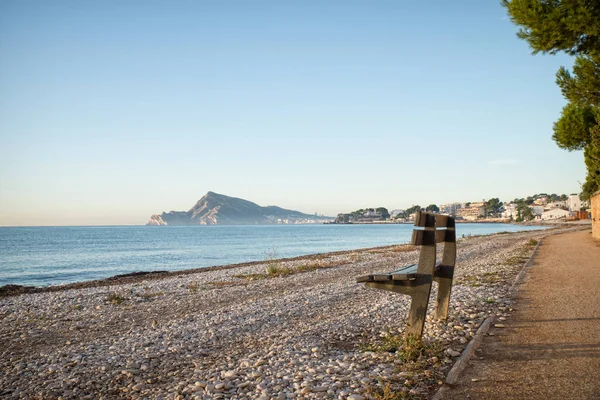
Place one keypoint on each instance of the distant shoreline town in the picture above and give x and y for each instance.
(219, 209)
(540, 207)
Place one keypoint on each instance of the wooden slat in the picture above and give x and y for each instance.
(444, 221)
(445, 235)
(403, 277)
(407, 269)
(423, 238)
(424, 219)
(430, 220)
(365, 278)
(382, 277)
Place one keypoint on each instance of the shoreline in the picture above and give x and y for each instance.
(137, 276)
(134, 276)
(240, 333)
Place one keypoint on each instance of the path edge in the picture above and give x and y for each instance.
(474, 344)
(464, 358)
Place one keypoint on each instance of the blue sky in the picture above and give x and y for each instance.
(111, 111)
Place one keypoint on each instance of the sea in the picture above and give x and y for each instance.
(45, 256)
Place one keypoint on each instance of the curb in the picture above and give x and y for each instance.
(528, 264)
(464, 358)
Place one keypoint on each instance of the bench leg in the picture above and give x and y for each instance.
(443, 298)
(418, 310)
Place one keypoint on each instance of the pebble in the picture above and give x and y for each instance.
(215, 335)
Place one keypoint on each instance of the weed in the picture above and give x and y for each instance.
(407, 348)
(115, 298)
(276, 270)
(250, 277)
(515, 260)
(217, 284)
(417, 358)
(193, 287)
(532, 243)
(387, 392)
(149, 294)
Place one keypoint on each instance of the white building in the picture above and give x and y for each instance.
(555, 204)
(555, 213)
(537, 210)
(395, 212)
(450, 209)
(510, 211)
(575, 204)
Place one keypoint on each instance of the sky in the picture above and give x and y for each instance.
(111, 111)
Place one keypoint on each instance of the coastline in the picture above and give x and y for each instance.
(235, 332)
(133, 277)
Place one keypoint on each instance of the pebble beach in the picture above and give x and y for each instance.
(279, 329)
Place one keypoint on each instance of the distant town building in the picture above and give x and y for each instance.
(449, 209)
(471, 213)
(555, 213)
(555, 204)
(542, 201)
(510, 211)
(575, 204)
(395, 212)
(537, 210)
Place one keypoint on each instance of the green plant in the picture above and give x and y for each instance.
(415, 372)
(407, 348)
(515, 260)
(532, 243)
(115, 298)
(148, 294)
(387, 392)
(276, 270)
(193, 287)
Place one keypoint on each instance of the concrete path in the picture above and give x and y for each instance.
(550, 348)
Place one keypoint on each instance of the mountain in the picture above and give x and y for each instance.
(218, 209)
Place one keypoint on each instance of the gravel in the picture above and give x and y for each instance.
(218, 334)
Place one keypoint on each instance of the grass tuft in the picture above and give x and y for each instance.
(193, 287)
(416, 372)
(115, 298)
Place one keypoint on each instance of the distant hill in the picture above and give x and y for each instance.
(218, 209)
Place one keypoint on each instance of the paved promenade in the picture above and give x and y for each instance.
(550, 348)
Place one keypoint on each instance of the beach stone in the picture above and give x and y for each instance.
(282, 335)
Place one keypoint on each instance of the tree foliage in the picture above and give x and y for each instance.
(494, 207)
(551, 26)
(432, 208)
(583, 87)
(524, 212)
(573, 130)
(573, 27)
(384, 212)
(412, 210)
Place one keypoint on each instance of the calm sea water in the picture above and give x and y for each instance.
(43, 256)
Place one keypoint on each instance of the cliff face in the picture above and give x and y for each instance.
(218, 209)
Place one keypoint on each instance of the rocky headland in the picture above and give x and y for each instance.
(218, 209)
(284, 329)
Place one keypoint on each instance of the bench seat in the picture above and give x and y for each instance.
(406, 273)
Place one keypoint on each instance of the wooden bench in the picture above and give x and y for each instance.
(415, 280)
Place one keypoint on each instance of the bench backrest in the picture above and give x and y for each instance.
(437, 228)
